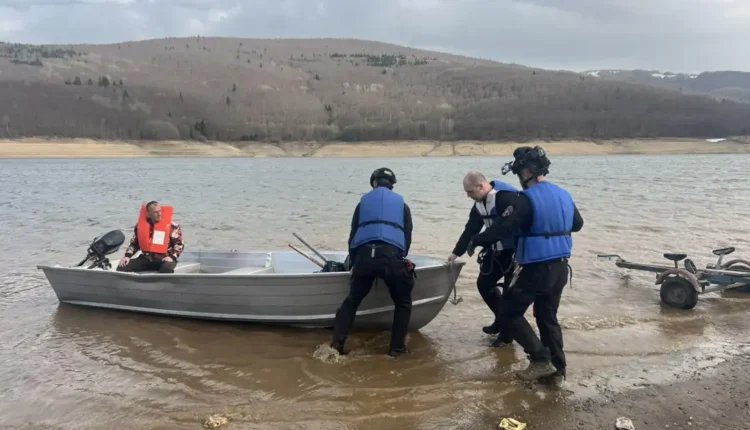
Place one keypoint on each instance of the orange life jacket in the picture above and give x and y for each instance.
(156, 242)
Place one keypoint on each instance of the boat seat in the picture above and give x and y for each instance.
(675, 257)
(179, 268)
(691, 267)
(249, 271)
(723, 251)
(187, 267)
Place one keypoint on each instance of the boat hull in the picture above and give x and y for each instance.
(262, 287)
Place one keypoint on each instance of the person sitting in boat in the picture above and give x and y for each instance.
(157, 237)
(491, 200)
(379, 242)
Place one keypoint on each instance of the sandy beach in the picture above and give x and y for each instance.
(714, 399)
(89, 148)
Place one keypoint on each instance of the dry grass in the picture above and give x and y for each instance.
(287, 90)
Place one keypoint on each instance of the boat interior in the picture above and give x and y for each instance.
(260, 262)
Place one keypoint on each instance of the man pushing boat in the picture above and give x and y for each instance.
(379, 242)
(491, 200)
(157, 237)
(542, 218)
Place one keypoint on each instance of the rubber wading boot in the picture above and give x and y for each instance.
(339, 347)
(501, 342)
(536, 370)
(493, 328)
(395, 352)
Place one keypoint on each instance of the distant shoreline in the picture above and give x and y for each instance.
(89, 148)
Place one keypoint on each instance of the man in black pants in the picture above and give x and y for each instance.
(545, 215)
(379, 241)
(491, 200)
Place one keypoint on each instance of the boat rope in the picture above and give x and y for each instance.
(456, 300)
(480, 260)
(483, 255)
(571, 275)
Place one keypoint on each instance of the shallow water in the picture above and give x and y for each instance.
(69, 367)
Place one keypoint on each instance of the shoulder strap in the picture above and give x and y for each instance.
(390, 223)
(547, 235)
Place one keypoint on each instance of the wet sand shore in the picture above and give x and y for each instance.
(713, 398)
(82, 148)
(716, 401)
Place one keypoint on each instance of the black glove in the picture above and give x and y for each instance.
(409, 265)
(470, 248)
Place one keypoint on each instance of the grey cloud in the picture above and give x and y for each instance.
(685, 35)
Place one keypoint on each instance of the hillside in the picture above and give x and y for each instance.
(729, 85)
(326, 89)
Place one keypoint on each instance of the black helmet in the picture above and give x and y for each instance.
(526, 157)
(383, 176)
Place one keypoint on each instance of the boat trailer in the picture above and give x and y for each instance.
(680, 287)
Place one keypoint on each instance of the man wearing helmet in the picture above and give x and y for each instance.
(492, 199)
(379, 242)
(543, 218)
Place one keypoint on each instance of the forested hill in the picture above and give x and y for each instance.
(327, 89)
(729, 85)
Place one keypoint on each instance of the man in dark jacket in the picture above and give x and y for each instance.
(543, 219)
(491, 200)
(379, 242)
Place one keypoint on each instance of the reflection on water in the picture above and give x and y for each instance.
(71, 367)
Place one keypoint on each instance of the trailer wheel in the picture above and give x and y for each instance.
(679, 293)
(740, 268)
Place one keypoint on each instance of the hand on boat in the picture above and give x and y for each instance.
(124, 261)
(452, 258)
(167, 259)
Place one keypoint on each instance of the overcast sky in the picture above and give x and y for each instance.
(674, 35)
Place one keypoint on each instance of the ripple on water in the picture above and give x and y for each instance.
(65, 366)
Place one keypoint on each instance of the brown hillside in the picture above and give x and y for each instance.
(326, 89)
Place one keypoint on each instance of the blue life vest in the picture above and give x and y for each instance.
(381, 217)
(549, 236)
(488, 211)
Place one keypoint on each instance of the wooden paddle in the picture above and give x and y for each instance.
(306, 256)
(311, 248)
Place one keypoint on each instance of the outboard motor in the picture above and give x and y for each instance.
(334, 266)
(101, 247)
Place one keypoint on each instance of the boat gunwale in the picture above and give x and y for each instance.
(156, 275)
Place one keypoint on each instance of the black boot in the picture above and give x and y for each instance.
(502, 341)
(339, 346)
(493, 328)
(396, 352)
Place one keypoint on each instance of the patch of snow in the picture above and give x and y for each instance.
(598, 73)
(715, 140)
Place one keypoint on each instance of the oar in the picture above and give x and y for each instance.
(311, 248)
(306, 256)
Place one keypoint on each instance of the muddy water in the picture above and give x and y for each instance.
(68, 367)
